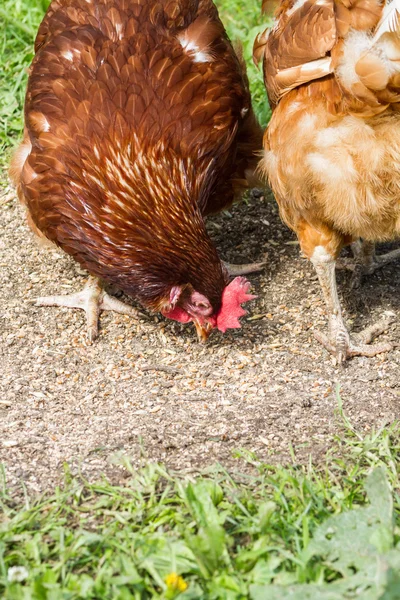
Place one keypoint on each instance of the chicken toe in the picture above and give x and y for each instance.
(92, 299)
(339, 344)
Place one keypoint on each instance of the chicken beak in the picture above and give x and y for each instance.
(203, 330)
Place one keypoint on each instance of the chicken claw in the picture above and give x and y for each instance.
(92, 299)
(237, 270)
(338, 341)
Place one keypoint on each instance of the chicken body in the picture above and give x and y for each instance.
(138, 122)
(332, 148)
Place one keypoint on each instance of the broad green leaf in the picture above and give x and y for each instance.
(349, 542)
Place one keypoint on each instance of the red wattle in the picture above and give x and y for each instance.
(178, 314)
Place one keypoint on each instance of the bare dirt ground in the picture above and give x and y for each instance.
(261, 388)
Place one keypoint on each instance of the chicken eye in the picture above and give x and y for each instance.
(201, 305)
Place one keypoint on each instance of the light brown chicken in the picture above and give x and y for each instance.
(138, 123)
(332, 148)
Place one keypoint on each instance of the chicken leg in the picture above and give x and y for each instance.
(338, 341)
(365, 261)
(92, 299)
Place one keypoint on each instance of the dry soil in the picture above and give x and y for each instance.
(146, 390)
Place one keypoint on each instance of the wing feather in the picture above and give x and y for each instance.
(288, 79)
(297, 49)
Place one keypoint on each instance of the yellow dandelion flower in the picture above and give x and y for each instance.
(175, 582)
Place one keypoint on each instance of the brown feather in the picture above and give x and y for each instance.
(332, 149)
(203, 32)
(259, 46)
(372, 72)
(269, 7)
(138, 123)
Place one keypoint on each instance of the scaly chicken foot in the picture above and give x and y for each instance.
(365, 261)
(92, 299)
(338, 341)
(237, 270)
(339, 344)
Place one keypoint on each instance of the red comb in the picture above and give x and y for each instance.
(232, 297)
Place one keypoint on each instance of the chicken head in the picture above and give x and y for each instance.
(186, 305)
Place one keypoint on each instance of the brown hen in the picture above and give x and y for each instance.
(332, 148)
(138, 123)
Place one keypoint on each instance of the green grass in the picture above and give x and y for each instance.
(298, 532)
(243, 21)
(19, 21)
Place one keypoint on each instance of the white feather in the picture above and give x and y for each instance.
(389, 22)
